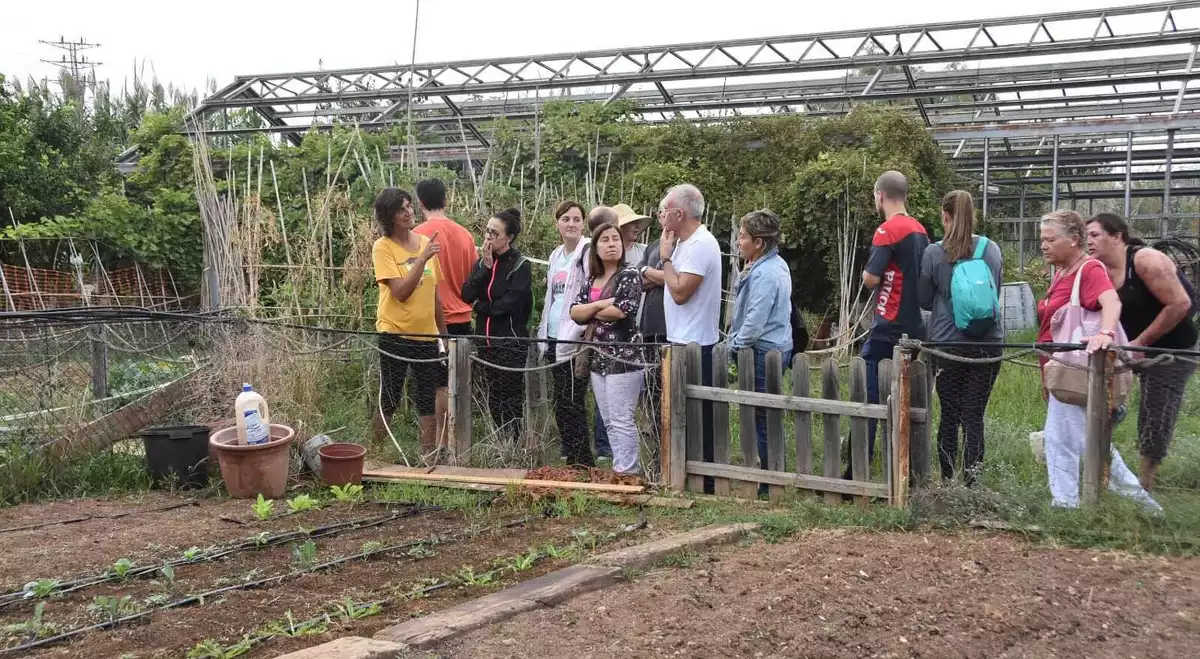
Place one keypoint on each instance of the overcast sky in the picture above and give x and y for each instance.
(187, 44)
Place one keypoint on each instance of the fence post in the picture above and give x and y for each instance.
(776, 444)
(99, 364)
(888, 380)
(831, 390)
(535, 403)
(674, 390)
(920, 441)
(721, 430)
(902, 428)
(459, 401)
(801, 384)
(859, 458)
(1096, 448)
(747, 432)
(695, 415)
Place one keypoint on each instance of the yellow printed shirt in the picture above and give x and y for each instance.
(417, 314)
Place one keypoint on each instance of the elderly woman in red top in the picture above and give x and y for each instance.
(1064, 244)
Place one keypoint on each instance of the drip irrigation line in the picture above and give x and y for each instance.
(8, 599)
(251, 585)
(85, 518)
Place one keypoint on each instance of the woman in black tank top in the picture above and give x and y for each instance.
(1155, 312)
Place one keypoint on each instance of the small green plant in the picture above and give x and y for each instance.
(523, 562)
(371, 546)
(41, 588)
(33, 628)
(420, 551)
(109, 608)
(289, 628)
(121, 568)
(210, 649)
(262, 507)
(191, 553)
(554, 552)
(262, 538)
(347, 494)
(301, 503)
(168, 574)
(156, 600)
(351, 610)
(305, 553)
(468, 577)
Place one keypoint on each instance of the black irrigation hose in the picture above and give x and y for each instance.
(199, 599)
(15, 597)
(84, 518)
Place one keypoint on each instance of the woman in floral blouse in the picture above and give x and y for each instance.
(609, 306)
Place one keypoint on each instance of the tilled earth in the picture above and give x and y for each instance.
(840, 594)
(88, 548)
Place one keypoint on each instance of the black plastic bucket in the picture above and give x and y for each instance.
(177, 455)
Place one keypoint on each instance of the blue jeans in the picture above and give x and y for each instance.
(603, 448)
(760, 385)
(873, 352)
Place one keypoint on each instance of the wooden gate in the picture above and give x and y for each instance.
(903, 427)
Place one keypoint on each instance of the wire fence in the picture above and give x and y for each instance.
(76, 382)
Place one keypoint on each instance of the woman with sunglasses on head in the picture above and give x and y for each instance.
(570, 392)
(608, 305)
(500, 289)
(762, 307)
(1156, 313)
(1064, 248)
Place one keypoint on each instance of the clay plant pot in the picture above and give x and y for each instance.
(342, 464)
(253, 469)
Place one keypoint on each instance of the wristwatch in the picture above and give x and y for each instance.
(666, 261)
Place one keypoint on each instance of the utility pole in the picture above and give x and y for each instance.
(73, 61)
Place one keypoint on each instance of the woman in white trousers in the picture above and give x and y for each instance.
(608, 306)
(1064, 247)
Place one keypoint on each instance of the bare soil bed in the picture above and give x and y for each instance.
(88, 548)
(839, 594)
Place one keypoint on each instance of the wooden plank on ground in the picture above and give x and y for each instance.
(388, 474)
(721, 439)
(837, 485)
(830, 389)
(859, 466)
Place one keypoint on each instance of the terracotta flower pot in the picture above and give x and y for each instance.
(342, 464)
(253, 469)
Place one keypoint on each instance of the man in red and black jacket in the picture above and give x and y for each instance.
(892, 271)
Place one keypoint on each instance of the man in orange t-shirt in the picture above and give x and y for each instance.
(457, 257)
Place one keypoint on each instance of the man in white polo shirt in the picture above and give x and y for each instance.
(691, 274)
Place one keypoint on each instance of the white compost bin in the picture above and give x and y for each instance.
(1018, 306)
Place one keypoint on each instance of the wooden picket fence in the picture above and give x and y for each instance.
(903, 426)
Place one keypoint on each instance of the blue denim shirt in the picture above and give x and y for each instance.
(762, 306)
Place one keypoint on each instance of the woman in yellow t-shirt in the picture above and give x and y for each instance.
(409, 318)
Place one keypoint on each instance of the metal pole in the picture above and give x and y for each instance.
(1128, 173)
(1054, 177)
(412, 66)
(1021, 235)
(986, 149)
(1166, 216)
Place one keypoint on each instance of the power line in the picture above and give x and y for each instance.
(73, 60)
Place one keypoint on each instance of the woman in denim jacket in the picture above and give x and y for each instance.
(762, 308)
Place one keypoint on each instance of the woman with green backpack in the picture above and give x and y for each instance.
(960, 283)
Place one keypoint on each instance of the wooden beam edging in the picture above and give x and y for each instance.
(804, 481)
(797, 404)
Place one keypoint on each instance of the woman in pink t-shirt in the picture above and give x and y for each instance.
(1064, 246)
